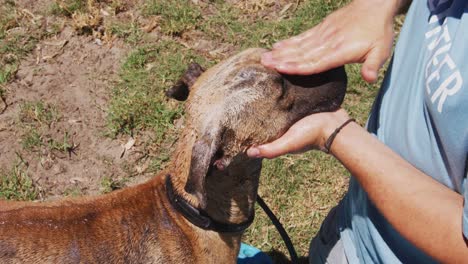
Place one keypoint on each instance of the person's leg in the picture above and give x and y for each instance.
(326, 246)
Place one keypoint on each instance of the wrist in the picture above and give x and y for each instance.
(335, 120)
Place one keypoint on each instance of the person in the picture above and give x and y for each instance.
(406, 197)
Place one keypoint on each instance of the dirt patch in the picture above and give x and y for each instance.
(34, 7)
(82, 72)
(73, 74)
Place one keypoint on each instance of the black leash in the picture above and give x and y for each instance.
(280, 228)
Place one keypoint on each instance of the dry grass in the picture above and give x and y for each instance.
(164, 36)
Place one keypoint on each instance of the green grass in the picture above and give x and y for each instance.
(7, 17)
(177, 15)
(157, 163)
(38, 112)
(63, 144)
(300, 189)
(245, 29)
(19, 35)
(36, 117)
(67, 7)
(17, 185)
(32, 139)
(74, 191)
(129, 32)
(108, 184)
(231, 24)
(138, 100)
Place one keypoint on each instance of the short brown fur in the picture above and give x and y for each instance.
(231, 106)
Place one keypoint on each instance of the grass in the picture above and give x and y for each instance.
(177, 15)
(31, 139)
(64, 144)
(108, 184)
(300, 189)
(38, 112)
(138, 100)
(17, 185)
(129, 32)
(74, 191)
(244, 28)
(19, 34)
(67, 7)
(36, 117)
(33, 116)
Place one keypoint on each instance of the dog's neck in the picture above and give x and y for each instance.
(231, 193)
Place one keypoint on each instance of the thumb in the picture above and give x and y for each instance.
(374, 61)
(291, 141)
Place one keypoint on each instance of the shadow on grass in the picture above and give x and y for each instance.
(280, 258)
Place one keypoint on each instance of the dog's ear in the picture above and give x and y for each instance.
(181, 89)
(203, 155)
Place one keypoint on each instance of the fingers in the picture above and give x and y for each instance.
(311, 61)
(292, 141)
(308, 133)
(319, 59)
(374, 61)
(348, 35)
(293, 55)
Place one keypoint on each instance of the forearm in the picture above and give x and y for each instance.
(420, 208)
(394, 7)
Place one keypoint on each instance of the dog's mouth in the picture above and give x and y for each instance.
(219, 160)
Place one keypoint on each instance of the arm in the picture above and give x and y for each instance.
(361, 32)
(421, 209)
(424, 211)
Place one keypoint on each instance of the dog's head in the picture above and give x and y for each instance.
(239, 103)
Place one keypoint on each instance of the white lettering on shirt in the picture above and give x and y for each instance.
(441, 61)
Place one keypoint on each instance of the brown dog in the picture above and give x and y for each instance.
(196, 211)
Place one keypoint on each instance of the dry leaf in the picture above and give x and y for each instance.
(285, 9)
(127, 146)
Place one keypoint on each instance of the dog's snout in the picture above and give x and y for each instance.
(317, 92)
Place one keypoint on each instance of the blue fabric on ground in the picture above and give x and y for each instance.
(252, 255)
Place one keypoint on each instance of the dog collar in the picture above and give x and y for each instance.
(199, 217)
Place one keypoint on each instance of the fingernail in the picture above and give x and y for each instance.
(253, 152)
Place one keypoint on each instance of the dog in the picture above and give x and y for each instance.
(196, 210)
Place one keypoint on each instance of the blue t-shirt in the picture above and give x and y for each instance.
(421, 113)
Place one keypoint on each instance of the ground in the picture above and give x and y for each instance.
(83, 110)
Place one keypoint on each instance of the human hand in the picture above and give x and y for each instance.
(311, 132)
(359, 32)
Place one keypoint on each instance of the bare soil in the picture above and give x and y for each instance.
(72, 73)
